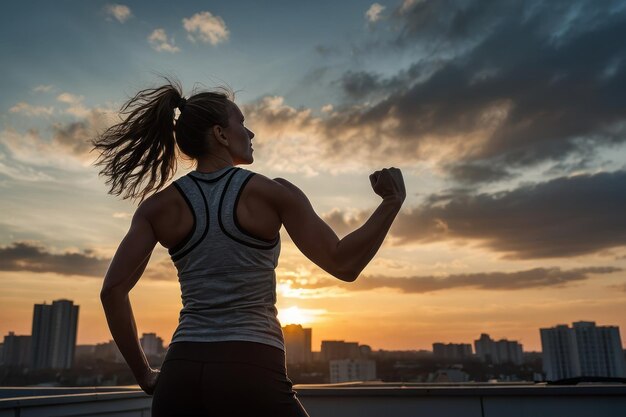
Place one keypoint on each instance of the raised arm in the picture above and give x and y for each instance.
(345, 258)
(126, 268)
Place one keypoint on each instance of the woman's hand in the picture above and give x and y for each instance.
(389, 184)
(149, 380)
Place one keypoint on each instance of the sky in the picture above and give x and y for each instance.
(507, 119)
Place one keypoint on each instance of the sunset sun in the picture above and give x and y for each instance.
(293, 315)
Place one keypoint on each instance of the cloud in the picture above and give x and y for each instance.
(43, 88)
(122, 215)
(295, 140)
(373, 13)
(205, 27)
(74, 138)
(34, 257)
(75, 104)
(496, 281)
(285, 136)
(118, 11)
(27, 150)
(30, 110)
(343, 223)
(563, 217)
(497, 87)
(26, 256)
(159, 41)
(69, 142)
(471, 173)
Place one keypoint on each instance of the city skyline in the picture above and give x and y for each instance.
(506, 119)
(480, 351)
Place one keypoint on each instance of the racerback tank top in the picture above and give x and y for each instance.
(227, 276)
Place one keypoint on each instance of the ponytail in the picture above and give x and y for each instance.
(139, 154)
(142, 148)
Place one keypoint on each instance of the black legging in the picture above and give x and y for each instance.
(225, 379)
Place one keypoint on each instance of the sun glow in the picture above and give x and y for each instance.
(293, 315)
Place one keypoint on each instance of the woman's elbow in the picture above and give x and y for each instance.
(346, 275)
(108, 294)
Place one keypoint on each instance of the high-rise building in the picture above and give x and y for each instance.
(497, 352)
(338, 349)
(54, 335)
(297, 344)
(452, 350)
(345, 370)
(582, 350)
(151, 344)
(16, 350)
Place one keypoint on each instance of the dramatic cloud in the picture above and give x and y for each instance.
(519, 280)
(118, 11)
(25, 256)
(471, 173)
(497, 87)
(159, 41)
(34, 257)
(205, 27)
(563, 217)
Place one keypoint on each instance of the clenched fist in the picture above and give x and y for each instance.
(389, 184)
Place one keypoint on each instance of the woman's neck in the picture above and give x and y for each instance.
(213, 163)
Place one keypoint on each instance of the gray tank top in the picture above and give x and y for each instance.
(227, 276)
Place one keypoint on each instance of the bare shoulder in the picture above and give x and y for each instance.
(275, 191)
(160, 204)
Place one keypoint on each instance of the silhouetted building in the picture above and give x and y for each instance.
(452, 350)
(297, 344)
(54, 335)
(151, 344)
(108, 352)
(497, 352)
(338, 349)
(346, 370)
(402, 355)
(84, 352)
(16, 350)
(365, 351)
(583, 350)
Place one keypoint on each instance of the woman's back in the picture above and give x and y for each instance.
(172, 219)
(227, 276)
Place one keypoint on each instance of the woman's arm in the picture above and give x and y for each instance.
(126, 268)
(345, 258)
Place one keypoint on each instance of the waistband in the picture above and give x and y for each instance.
(252, 353)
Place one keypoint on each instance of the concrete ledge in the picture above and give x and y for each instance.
(453, 390)
(350, 400)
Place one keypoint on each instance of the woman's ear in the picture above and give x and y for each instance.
(218, 134)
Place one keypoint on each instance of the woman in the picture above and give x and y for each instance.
(220, 223)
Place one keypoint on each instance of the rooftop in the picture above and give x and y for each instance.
(350, 400)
